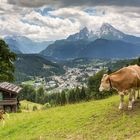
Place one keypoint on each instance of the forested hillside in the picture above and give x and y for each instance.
(31, 65)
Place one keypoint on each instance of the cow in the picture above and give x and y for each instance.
(124, 81)
(137, 69)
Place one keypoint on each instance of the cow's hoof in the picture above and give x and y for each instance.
(130, 107)
(133, 102)
(120, 108)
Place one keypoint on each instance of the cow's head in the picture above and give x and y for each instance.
(105, 85)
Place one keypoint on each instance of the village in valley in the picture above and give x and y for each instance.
(72, 78)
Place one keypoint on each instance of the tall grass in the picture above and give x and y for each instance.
(94, 120)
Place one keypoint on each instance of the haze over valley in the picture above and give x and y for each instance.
(87, 50)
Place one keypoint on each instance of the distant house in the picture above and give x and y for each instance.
(8, 97)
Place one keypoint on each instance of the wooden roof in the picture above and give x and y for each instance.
(8, 87)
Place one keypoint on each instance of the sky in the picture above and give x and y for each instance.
(51, 20)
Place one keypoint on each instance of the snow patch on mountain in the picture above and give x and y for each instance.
(106, 31)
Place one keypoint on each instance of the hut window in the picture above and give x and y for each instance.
(1, 96)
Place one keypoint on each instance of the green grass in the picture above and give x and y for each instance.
(94, 120)
(26, 105)
(30, 82)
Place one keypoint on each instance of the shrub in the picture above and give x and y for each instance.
(46, 106)
(35, 108)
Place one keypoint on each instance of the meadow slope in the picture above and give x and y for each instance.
(94, 120)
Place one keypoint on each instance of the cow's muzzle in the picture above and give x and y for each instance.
(100, 89)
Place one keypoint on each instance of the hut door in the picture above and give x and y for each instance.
(1, 96)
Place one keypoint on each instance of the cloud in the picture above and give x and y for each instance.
(50, 27)
(117, 19)
(36, 26)
(69, 3)
(27, 18)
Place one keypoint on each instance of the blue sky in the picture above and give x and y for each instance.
(52, 20)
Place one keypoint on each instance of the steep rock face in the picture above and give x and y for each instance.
(84, 34)
(106, 31)
(109, 32)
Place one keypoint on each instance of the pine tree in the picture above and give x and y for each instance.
(63, 98)
(77, 94)
(6, 62)
(83, 94)
(71, 96)
(40, 95)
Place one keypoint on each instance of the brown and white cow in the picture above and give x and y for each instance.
(124, 80)
(137, 69)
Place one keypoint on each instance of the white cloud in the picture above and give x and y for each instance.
(60, 23)
(69, 3)
(128, 22)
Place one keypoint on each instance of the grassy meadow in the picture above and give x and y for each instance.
(28, 106)
(94, 120)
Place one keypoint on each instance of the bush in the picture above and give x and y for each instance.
(46, 106)
(35, 108)
(27, 107)
(19, 110)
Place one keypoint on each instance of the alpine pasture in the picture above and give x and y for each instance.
(93, 120)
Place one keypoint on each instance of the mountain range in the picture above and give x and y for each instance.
(106, 31)
(106, 42)
(22, 44)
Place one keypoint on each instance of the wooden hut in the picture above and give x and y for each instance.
(8, 97)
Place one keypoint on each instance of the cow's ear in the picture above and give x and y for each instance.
(105, 75)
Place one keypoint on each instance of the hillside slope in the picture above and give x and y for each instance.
(34, 65)
(28, 106)
(100, 48)
(94, 120)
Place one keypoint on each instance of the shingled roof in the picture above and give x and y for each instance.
(8, 87)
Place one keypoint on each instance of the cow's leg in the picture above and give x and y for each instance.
(130, 104)
(138, 96)
(121, 102)
(134, 95)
